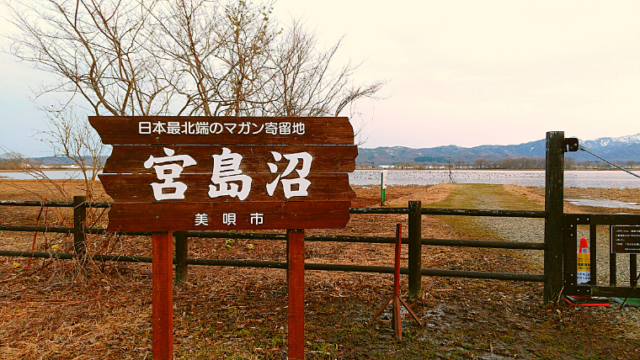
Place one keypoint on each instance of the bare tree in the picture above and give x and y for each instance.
(232, 60)
(73, 137)
(176, 57)
(305, 82)
(11, 160)
(195, 57)
(219, 53)
(95, 49)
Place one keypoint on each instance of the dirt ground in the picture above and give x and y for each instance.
(60, 310)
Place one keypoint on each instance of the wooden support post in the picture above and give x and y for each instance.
(554, 222)
(415, 249)
(79, 225)
(395, 298)
(295, 271)
(182, 247)
(397, 316)
(162, 306)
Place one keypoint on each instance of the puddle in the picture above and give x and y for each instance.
(604, 203)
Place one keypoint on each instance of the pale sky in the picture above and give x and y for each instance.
(463, 73)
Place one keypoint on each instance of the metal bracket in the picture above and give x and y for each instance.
(571, 144)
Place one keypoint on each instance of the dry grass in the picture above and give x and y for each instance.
(60, 310)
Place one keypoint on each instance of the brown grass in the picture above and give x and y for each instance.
(60, 310)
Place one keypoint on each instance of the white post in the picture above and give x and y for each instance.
(383, 187)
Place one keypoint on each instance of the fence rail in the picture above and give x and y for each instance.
(414, 240)
(353, 210)
(316, 238)
(283, 265)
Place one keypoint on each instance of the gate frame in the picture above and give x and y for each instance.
(570, 257)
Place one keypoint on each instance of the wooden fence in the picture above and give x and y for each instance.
(552, 245)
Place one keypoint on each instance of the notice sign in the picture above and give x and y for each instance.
(227, 173)
(625, 239)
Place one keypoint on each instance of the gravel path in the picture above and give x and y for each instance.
(518, 230)
(532, 230)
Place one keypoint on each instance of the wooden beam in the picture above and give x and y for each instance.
(397, 317)
(415, 249)
(554, 222)
(295, 270)
(79, 225)
(162, 306)
(182, 249)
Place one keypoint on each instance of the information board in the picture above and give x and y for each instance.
(625, 239)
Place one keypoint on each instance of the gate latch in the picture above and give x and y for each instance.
(571, 145)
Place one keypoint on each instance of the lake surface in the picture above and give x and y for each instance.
(614, 204)
(52, 174)
(598, 179)
(601, 179)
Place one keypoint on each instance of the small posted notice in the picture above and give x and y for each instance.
(625, 239)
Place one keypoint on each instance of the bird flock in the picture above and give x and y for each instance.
(582, 179)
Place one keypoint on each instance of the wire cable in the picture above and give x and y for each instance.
(609, 162)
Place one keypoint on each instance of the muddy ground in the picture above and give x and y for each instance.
(59, 310)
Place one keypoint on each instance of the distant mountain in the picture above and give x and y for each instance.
(53, 160)
(620, 149)
(58, 160)
(624, 148)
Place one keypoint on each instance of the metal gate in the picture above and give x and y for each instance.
(624, 238)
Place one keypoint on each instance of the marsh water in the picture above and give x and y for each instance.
(598, 179)
(582, 179)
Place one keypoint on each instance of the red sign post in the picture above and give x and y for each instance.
(225, 173)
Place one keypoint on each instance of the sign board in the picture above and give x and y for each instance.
(227, 173)
(383, 187)
(625, 239)
(383, 180)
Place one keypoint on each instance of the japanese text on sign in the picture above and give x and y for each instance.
(625, 239)
(227, 179)
(216, 128)
(229, 219)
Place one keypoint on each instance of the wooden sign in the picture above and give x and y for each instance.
(227, 173)
(221, 173)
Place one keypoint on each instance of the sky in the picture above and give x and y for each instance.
(463, 73)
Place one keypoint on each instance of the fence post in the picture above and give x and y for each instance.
(79, 224)
(295, 276)
(182, 247)
(415, 249)
(554, 221)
